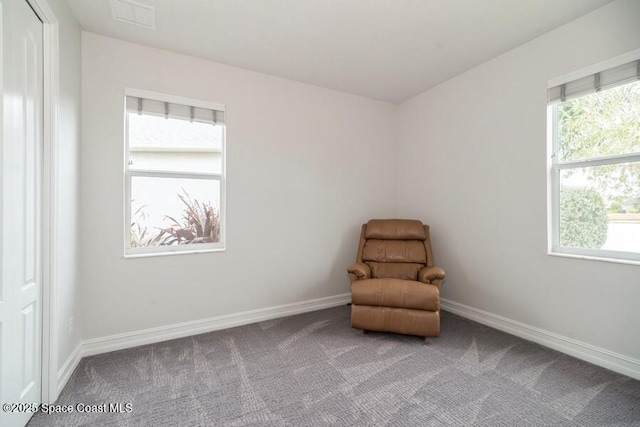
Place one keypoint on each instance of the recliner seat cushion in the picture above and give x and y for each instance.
(395, 293)
(397, 270)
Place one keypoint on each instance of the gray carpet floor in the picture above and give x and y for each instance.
(313, 369)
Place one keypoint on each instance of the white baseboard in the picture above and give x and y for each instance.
(598, 356)
(149, 336)
(69, 366)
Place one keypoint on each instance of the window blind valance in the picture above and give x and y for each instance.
(174, 111)
(592, 83)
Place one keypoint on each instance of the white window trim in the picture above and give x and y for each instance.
(554, 167)
(130, 252)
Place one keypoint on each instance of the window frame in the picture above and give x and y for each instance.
(130, 252)
(555, 167)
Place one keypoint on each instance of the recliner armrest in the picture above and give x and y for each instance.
(361, 271)
(429, 274)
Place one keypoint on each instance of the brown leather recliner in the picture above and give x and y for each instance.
(395, 286)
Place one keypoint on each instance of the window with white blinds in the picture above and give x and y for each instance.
(174, 175)
(172, 110)
(594, 179)
(606, 79)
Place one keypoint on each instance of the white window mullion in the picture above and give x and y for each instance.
(178, 175)
(599, 161)
(555, 207)
(553, 197)
(127, 210)
(127, 186)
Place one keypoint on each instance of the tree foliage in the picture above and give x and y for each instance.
(583, 218)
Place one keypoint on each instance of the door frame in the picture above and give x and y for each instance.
(50, 332)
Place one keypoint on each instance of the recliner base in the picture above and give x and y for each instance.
(397, 320)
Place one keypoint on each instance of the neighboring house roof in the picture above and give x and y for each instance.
(150, 133)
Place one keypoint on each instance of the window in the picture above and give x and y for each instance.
(594, 124)
(174, 175)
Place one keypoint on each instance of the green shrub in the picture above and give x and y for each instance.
(583, 218)
(615, 208)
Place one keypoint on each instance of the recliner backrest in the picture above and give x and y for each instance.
(395, 229)
(396, 248)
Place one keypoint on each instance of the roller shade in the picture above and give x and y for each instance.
(174, 111)
(616, 76)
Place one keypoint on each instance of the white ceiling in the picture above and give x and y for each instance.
(384, 49)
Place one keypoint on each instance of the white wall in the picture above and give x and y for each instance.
(473, 164)
(67, 175)
(306, 166)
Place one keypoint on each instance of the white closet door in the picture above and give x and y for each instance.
(21, 86)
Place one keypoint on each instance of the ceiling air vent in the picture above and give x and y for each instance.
(132, 12)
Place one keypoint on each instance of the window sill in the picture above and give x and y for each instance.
(594, 258)
(168, 253)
